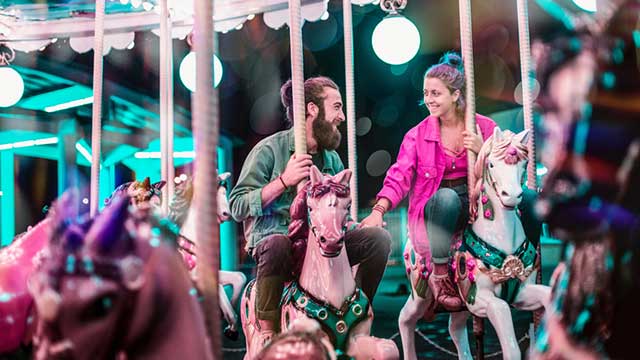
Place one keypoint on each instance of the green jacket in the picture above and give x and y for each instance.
(266, 161)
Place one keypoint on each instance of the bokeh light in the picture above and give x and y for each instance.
(586, 5)
(378, 163)
(188, 71)
(395, 40)
(363, 126)
(12, 86)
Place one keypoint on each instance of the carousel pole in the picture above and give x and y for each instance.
(167, 170)
(351, 105)
(297, 77)
(205, 130)
(96, 116)
(527, 88)
(466, 45)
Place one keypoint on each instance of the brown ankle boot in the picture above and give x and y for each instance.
(267, 330)
(444, 291)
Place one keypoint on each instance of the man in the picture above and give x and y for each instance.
(267, 185)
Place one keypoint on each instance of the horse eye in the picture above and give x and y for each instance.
(491, 165)
(99, 308)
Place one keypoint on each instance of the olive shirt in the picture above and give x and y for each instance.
(266, 161)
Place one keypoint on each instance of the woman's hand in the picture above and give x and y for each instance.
(473, 141)
(374, 219)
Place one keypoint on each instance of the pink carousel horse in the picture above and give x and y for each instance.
(494, 264)
(114, 287)
(325, 290)
(182, 213)
(17, 262)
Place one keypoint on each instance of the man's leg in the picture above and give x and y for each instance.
(442, 213)
(273, 258)
(369, 247)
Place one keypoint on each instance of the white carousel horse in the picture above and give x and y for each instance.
(495, 265)
(325, 290)
(182, 212)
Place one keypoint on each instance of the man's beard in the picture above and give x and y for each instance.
(326, 136)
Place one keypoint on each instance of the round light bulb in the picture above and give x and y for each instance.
(12, 88)
(188, 71)
(395, 40)
(586, 5)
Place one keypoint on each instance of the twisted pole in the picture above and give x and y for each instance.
(206, 127)
(96, 111)
(297, 77)
(527, 88)
(351, 105)
(466, 45)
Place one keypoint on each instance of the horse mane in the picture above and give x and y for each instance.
(299, 226)
(505, 149)
(181, 202)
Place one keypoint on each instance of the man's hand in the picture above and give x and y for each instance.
(473, 141)
(297, 169)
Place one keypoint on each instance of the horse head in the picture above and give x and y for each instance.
(224, 212)
(79, 288)
(142, 194)
(499, 171)
(328, 205)
(104, 281)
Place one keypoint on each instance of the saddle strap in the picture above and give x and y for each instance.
(337, 323)
(491, 256)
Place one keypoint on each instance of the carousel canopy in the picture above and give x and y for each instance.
(32, 25)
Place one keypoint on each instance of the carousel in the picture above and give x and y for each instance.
(126, 261)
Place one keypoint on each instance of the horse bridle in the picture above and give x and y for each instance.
(319, 190)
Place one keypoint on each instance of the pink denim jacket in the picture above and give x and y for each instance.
(418, 172)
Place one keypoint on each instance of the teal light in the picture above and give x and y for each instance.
(395, 40)
(636, 38)
(12, 86)
(586, 5)
(188, 71)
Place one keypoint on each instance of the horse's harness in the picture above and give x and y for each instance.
(337, 323)
(508, 269)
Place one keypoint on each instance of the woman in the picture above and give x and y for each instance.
(432, 168)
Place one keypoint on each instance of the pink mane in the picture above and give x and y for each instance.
(505, 149)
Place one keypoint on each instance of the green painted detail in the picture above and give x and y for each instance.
(337, 323)
(421, 286)
(492, 256)
(471, 296)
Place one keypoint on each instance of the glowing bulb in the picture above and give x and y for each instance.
(12, 88)
(188, 71)
(395, 40)
(586, 5)
(324, 16)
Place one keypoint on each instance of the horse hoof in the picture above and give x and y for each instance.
(231, 334)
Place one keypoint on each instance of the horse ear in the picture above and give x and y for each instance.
(315, 175)
(146, 183)
(497, 134)
(63, 212)
(343, 177)
(159, 185)
(224, 176)
(523, 136)
(105, 235)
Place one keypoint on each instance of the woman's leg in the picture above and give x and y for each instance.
(442, 214)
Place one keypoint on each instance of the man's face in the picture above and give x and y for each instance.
(330, 115)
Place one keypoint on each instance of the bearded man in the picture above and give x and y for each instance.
(267, 186)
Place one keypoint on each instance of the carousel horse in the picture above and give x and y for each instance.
(325, 290)
(494, 264)
(182, 213)
(114, 287)
(17, 261)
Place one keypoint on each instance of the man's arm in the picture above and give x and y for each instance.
(245, 200)
(254, 192)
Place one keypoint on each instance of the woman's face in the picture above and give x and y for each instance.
(439, 100)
